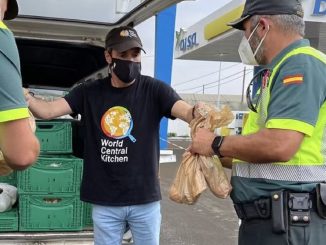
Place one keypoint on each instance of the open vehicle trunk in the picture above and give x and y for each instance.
(48, 63)
(59, 50)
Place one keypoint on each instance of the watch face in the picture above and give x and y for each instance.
(217, 142)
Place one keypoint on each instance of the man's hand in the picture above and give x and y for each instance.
(27, 95)
(197, 107)
(202, 142)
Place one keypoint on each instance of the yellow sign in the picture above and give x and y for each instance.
(218, 26)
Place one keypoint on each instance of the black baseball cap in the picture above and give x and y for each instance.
(123, 38)
(267, 7)
(12, 10)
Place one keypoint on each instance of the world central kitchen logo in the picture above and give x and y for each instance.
(185, 42)
(320, 7)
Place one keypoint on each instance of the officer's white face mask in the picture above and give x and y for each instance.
(247, 56)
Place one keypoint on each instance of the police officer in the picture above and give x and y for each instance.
(281, 157)
(18, 144)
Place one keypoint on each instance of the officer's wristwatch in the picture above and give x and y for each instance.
(217, 142)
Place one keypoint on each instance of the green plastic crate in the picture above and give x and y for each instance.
(10, 179)
(52, 174)
(88, 221)
(9, 220)
(50, 213)
(55, 136)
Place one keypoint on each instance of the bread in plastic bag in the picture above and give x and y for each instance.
(189, 182)
(208, 168)
(215, 176)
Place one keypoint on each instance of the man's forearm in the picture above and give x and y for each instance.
(183, 111)
(48, 109)
(40, 108)
(18, 143)
(265, 146)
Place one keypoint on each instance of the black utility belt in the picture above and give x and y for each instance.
(285, 207)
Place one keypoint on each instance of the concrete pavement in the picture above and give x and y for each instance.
(210, 221)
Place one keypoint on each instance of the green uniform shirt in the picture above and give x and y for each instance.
(296, 100)
(298, 92)
(12, 102)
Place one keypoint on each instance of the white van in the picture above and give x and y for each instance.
(61, 44)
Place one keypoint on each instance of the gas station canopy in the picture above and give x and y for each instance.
(212, 40)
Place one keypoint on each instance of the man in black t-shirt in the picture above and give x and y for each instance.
(121, 115)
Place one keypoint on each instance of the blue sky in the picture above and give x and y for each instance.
(190, 76)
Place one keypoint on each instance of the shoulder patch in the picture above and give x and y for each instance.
(293, 79)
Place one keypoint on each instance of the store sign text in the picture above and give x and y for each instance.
(186, 43)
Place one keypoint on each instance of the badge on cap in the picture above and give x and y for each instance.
(128, 33)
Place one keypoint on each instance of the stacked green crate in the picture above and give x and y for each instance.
(55, 136)
(9, 220)
(88, 221)
(52, 212)
(10, 179)
(48, 191)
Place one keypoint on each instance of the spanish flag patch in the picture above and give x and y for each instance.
(293, 79)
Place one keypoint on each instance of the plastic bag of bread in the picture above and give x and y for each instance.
(189, 182)
(208, 168)
(211, 167)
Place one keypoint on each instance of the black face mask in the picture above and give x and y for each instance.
(127, 71)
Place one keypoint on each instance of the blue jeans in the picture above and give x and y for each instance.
(110, 223)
